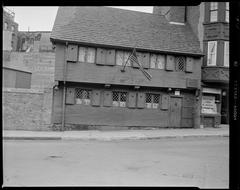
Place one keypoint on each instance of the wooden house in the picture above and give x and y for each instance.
(92, 46)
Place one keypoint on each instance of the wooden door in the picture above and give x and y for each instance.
(175, 112)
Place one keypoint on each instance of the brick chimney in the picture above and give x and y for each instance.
(174, 14)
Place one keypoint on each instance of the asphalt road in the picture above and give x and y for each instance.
(201, 162)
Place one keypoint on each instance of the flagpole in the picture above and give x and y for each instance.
(134, 49)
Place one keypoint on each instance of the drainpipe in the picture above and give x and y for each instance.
(64, 88)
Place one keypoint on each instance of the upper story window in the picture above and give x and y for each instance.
(121, 58)
(226, 54)
(5, 25)
(12, 28)
(83, 96)
(227, 12)
(152, 100)
(213, 11)
(86, 54)
(180, 63)
(212, 53)
(119, 99)
(157, 61)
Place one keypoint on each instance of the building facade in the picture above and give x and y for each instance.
(10, 30)
(210, 23)
(92, 46)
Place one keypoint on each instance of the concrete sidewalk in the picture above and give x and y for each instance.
(222, 131)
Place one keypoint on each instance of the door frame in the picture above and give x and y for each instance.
(176, 96)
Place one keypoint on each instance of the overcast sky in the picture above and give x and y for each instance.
(42, 18)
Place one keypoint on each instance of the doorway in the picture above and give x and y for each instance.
(175, 111)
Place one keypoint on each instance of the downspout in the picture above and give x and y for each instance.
(64, 88)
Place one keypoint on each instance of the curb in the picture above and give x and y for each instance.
(109, 138)
(32, 138)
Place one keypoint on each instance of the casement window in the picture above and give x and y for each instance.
(12, 28)
(157, 61)
(86, 54)
(83, 96)
(212, 53)
(152, 100)
(226, 54)
(227, 12)
(119, 99)
(122, 57)
(213, 11)
(180, 63)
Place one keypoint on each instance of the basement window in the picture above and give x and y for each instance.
(119, 99)
(83, 96)
(152, 100)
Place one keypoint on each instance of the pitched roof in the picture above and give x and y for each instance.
(123, 28)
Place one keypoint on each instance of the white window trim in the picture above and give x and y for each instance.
(211, 55)
(213, 10)
(227, 10)
(226, 54)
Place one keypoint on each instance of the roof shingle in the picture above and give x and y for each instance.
(123, 28)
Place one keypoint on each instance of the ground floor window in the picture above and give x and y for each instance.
(83, 96)
(119, 99)
(152, 100)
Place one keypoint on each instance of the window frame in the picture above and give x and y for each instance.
(119, 102)
(124, 56)
(227, 11)
(177, 63)
(157, 57)
(82, 102)
(85, 56)
(226, 54)
(152, 94)
(209, 52)
(213, 9)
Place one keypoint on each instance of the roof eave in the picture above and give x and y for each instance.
(57, 40)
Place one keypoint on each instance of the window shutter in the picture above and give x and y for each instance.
(101, 56)
(139, 57)
(145, 60)
(132, 100)
(165, 101)
(107, 98)
(96, 97)
(72, 52)
(140, 100)
(110, 54)
(70, 96)
(170, 63)
(189, 64)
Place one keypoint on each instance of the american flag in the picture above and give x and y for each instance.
(133, 58)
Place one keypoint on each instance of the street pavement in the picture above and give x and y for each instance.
(116, 135)
(201, 162)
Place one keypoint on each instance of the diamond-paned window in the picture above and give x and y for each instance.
(119, 98)
(180, 63)
(152, 100)
(83, 96)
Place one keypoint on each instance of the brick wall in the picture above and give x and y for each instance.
(27, 109)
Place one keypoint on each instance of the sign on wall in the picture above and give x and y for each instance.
(208, 105)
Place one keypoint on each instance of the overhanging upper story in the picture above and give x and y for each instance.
(95, 42)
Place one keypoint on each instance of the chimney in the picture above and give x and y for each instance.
(174, 14)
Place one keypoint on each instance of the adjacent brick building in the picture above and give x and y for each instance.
(210, 23)
(93, 43)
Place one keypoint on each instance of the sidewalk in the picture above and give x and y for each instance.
(222, 131)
